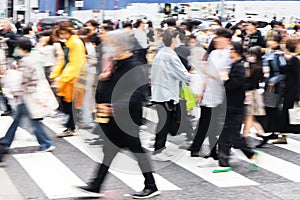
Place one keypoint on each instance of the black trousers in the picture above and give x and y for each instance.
(68, 109)
(231, 136)
(185, 122)
(210, 125)
(116, 139)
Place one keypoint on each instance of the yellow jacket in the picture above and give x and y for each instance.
(68, 75)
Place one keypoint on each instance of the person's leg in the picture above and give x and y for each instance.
(202, 129)
(238, 140)
(40, 134)
(150, 188)
(143, 160)
(10, 134)
(248, 122)
(87, 118)
(225, 141)
(163, 127)
(186, 124)
(215, 130)
(258, 127)
(110, 151)
(68, 109)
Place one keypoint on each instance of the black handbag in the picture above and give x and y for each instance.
(175, 116)
(271, 99)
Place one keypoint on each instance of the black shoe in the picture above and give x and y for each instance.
(265, 140)
(89, 188)
(273, 136)
(146, 193)
(7, 113)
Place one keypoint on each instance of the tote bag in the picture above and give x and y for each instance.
(189, 97)
(271, 99)
(42, 102)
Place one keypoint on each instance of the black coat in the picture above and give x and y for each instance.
(126, 88)
(291, 92)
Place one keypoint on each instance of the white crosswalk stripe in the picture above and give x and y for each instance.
(57, 180)
(129, 166)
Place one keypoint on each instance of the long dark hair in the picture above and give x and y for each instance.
(257, 67)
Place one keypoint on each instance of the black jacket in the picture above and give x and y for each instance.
(234, 87)
(256, 39)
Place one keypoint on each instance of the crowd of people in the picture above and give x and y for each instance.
(241, 80)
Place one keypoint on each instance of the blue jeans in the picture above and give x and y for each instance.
(38, 130)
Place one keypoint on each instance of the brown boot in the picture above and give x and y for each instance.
(281, 140)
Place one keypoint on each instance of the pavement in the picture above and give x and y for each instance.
(55, 175)
(8, 191)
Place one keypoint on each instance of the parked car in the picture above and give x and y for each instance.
(49, 22)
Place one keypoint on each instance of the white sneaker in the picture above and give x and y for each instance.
(162, 156)
(208, 162)
(49, 149)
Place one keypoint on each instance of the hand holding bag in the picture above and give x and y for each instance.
(189, 97)
(294, 114)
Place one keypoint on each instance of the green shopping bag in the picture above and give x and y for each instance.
(186, 94)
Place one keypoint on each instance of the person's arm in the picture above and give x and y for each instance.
(178, 70)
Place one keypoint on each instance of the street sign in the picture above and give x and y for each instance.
(78, 4)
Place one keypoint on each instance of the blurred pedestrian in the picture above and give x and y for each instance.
(47, 50)
(253, 100)
(121, 131)
(140, 33)
(84, 85)
(67, 71)
(274, 84)
(30, 34)
(230, 137)
(211, 120)
(94, 32)
(254, 35)
(291, 89)
(8, 36)
(166, 73)
(27, 66)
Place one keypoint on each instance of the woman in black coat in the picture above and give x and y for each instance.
(119, 101)
(292, 85)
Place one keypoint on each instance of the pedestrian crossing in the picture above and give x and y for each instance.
(55, 178)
